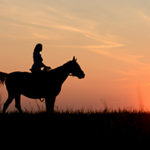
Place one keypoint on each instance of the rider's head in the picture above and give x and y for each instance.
(38, 48)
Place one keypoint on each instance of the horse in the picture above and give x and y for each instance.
(43, 85)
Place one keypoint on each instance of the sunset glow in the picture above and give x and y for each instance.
(111, 40)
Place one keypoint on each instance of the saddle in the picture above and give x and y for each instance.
(45, 69)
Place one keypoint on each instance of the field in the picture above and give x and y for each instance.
(126, 127)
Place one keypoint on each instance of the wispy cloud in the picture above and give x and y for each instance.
(94, 47)
(144, 16)
(131, 59)
(56, 19)
(123, 79)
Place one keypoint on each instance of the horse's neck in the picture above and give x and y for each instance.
(64, 73)
(61, 73)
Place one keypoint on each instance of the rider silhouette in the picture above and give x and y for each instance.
(38, 60)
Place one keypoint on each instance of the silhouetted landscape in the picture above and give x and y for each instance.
(125, 127)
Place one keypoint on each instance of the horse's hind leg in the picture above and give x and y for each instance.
(17, 103)
(9, 100)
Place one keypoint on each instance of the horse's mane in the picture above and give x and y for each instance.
(59, 67)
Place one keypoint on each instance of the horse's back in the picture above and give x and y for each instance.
(16, 73)
(25, 78)
(16, 78)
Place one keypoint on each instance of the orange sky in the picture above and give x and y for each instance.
(109, 38)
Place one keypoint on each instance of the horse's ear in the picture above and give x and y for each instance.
(74, 59)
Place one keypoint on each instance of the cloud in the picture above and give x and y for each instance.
(51, 18)
(94, 47)
(122, 79)
(144, 16)
(131, 59)
(54, 19)
(130, 73)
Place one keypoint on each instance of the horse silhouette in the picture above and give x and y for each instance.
(45, 85)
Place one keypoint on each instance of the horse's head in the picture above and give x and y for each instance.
(75, 69)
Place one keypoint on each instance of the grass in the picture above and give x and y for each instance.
(121, 126)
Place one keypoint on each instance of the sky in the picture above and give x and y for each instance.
(110, 39)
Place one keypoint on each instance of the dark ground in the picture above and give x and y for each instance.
(110, 129)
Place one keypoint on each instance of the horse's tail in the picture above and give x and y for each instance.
(3, 77)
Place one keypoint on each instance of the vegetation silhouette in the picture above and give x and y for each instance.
(45, 84)
(103, 127)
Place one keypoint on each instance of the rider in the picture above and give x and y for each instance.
(38, 60)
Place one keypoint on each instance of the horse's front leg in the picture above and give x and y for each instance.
(50, 101)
